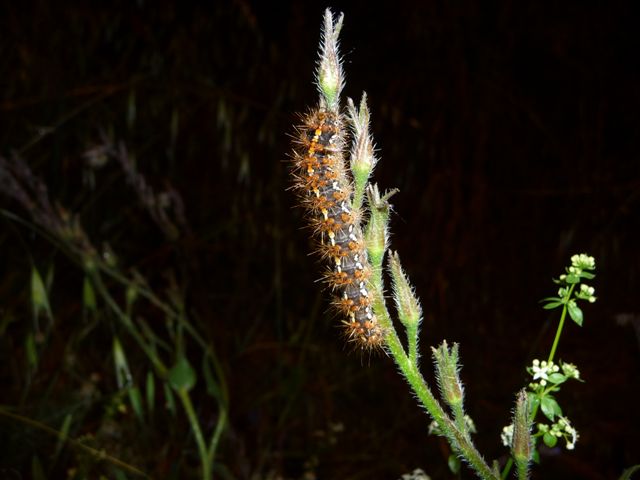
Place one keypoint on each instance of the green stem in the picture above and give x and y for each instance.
(205, 462)
(458, 416)
(507, 468)
(97, 454)
(412, 336)
(154, 300)
(523, 469)
(215, 438)
(126, 321)
(560, 325)
(458, 440)
(552, 353)
(456, 437)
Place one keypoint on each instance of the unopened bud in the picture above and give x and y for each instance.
(447, 368)
(329, 72)
(376, 233)
(521, 443)
(408, 306)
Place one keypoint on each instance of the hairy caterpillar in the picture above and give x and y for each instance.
(320, 176)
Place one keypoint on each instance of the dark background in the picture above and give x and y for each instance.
(511, 129)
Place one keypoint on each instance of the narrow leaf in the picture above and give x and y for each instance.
(31, 351)
(39, 297)
(64, 434)
(123, 374)
(88, 295)
(151, 392)
(626, 475)
(136, 402)
(552, 305)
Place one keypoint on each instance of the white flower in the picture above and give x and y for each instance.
(541, 370)
(586, 289)
(583, 261)
(570, 434)
(571, 371)
(586, 292)
(507, 435)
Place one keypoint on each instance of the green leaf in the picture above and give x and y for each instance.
(39, 297)
(549, 440)
(534, 400)
(551, 305)
(64, 434)
(626, 475)
(575, 313)
(123, 374)
(151, 392)
(550, 407)
(454, 464)
(535, 456)
(551, 299)
(31, 351)
(136, 402)
(88, 295)
(572, 279)
(587, 275)
(182, 376)
(557, 378)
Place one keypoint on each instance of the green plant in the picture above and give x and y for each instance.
(119, 293)
(354, 238)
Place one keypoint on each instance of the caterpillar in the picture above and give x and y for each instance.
(320, 176)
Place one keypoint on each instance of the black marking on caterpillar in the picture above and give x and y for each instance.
(321, 178)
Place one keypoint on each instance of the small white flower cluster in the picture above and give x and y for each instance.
(586, 293)
(583, 262)
(562, 428)
(541, 370)
(507, 435)
(571, 371)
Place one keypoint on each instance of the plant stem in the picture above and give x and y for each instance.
(460, 443)
(98, 454)
(197, 433)
(126, 321)
(560, 325)
(458, 440)
(215, 438)
(412, 336)
(523, 470)
(507, 468)
(552, 353)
